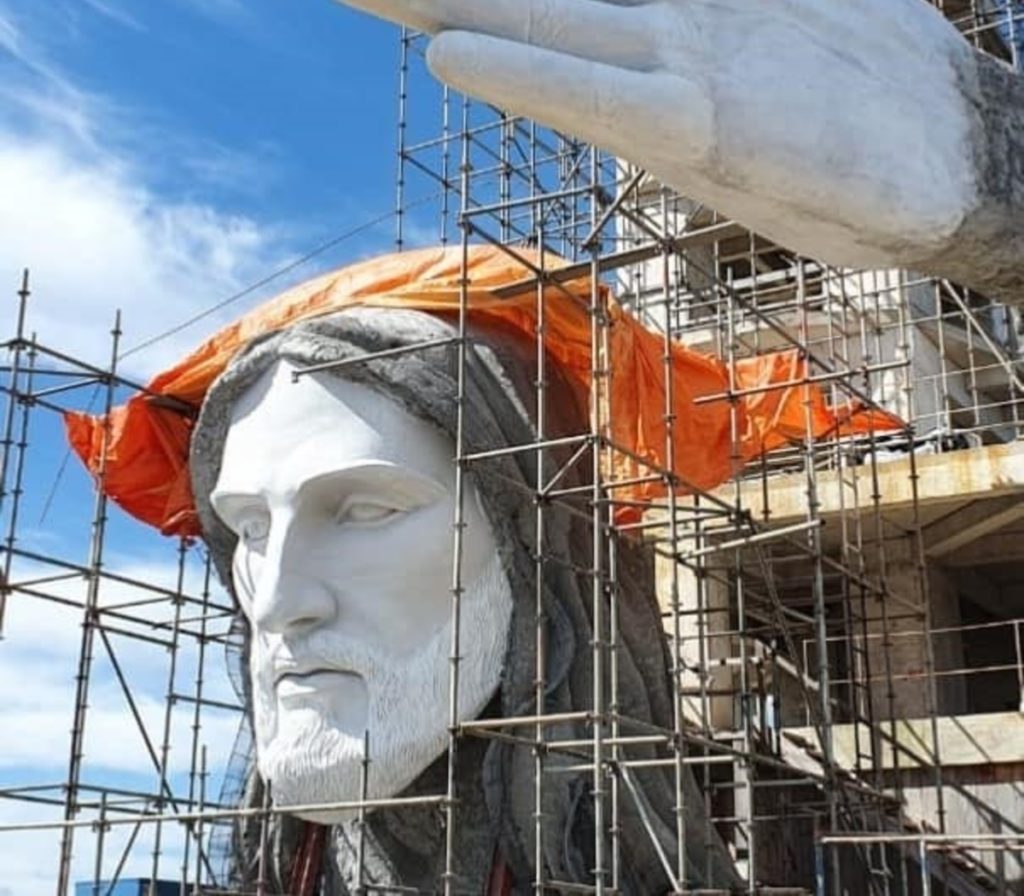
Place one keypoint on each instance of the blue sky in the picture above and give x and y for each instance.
(158, 156)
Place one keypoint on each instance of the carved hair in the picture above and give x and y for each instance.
(495, 779)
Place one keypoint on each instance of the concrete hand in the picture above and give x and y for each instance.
(842, 130)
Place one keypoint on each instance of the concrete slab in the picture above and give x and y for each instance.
(968, 740)
(954, 478)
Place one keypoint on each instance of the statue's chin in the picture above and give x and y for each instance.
(324, 766)
(339, 816)
(313, 765)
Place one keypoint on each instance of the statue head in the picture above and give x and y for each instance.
(328, 505)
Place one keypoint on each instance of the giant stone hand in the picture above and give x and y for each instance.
(850, 131)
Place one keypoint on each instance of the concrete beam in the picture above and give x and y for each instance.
(954, 478)
(1002, 547)
(965, 526)
(984, 739)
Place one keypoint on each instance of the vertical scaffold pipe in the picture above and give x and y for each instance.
(403, 96)
(101, 833)
(458, 525)
(539, 568)
(678, 660)
(202, 807)
(17, 346)
(446, 153)
(364, 795)
(263, 862)
(612, 702)
(17, 488)
(746, 698)
(164, 790)
(89, 622)
(194, 773)
(597, 498)
(814, 548)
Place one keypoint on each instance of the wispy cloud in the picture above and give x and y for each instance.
(116, 14)
(38, 664)
(36, 94)
(96, 239)
(208, 163)
(83, 209)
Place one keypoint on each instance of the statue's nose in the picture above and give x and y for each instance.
(290, 597)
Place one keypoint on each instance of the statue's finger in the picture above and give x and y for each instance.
(601, 30)
(642, 116)
(421, 16)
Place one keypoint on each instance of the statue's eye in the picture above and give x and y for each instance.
(254, 529)
(365, 513)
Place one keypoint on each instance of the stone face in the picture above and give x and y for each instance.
(343, 504)
(494, 780)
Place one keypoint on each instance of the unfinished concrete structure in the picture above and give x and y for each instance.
(845, 615)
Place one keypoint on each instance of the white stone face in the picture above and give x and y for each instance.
(842, 130)
(344, 504)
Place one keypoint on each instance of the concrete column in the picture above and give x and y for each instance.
(906, 645)
(703, 620)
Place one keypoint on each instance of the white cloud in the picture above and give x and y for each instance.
(80, 209)
(96, 240)
(116, 14)
(24, 874)
(39, 662)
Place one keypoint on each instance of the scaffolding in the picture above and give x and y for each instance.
(133, 626)
(797, 598)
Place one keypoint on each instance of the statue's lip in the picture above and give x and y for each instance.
(300, 671)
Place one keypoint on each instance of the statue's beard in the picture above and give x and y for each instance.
(311, 752)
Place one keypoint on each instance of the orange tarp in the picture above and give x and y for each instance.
(146, 468)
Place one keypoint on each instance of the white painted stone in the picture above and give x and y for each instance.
(343, 503)
(841, 130)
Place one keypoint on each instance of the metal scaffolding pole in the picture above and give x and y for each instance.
(89, 623)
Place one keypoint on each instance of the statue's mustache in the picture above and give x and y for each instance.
(318, 652)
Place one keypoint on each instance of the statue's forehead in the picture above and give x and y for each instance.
(282, 432)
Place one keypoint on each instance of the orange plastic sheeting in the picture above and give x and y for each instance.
(146, 465)
(783, 406)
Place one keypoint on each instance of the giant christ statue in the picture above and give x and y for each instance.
(327, 499)
(320, 473)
